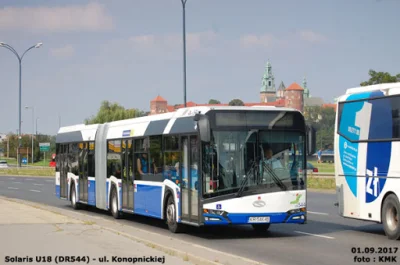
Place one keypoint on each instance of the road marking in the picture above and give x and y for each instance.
(12, 188)
(36, 184)
(49, 180)
(29, 179)
(319, 213)
(17, 182)
(328, 237)
(35, 190)
(12, 178)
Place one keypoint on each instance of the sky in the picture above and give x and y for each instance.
(131, 51)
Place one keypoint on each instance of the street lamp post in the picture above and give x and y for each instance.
(33, 125)
(184, 50)
(5, 45)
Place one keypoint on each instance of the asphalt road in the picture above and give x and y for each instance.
(326, 239)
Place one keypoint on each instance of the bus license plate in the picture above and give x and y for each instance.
(264, 219)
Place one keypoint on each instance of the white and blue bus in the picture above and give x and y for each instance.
(367, 155)
(196, 166)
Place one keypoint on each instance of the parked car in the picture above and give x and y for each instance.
(3, 164)
(310, 168)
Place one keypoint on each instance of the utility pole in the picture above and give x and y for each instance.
(184, 49)
(7, 46)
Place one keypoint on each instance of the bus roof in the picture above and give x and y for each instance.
(179, 113)
(180, 121)
(384, 87)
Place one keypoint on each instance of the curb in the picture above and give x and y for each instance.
(25, 176)
(151, 244)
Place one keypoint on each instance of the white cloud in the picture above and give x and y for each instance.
(270, 40)
(90, 17)
(266, 40)
(63, 52)
(195, 42)
(310, 36)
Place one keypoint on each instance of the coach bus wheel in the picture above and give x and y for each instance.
(114, 204)
(390, 217)
(74, 204)
(260, 227)
(173, 226)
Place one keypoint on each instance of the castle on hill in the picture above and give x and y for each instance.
(293, 96)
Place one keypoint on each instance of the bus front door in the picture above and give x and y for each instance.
(63, 160)
(189, 180)
(127, 175)
(83, 174)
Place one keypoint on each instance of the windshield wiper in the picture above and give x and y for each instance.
(247, 176)
(274, 177)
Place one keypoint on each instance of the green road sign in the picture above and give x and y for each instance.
(44, 147)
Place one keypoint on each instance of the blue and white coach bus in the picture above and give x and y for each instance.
(196, 166)
(367, 155)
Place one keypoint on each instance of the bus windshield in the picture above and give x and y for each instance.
(253, 161)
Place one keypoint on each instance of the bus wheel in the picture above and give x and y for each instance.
(74, 204)
(391, 216)
(261, 227)
(114, 204)
(173, 226)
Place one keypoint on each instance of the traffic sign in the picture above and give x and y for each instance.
(44, 147)
(24, 160)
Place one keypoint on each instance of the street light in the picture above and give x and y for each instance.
(5, 45)
(33, 125)
(184, 50)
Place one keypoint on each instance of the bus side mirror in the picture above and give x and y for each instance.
(203, 125)
(311, 140)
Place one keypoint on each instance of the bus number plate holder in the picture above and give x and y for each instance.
(259, 219)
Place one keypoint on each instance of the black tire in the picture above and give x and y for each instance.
(391, 217)
(261, 228)
(114, 204)
(74, 204)
(170, 216)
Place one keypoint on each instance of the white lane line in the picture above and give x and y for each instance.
(36, 184)
(29, 179)
(49, 180)
(319, 213)
(16, 182)
(12, 188)
(35, 190)
(328, 237)
(12, 178)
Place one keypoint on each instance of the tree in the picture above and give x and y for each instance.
(323, 120)
(214, 101)
(236, 102)
(379, 78)
(113, 112)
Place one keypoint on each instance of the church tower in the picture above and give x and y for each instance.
(306, 91)
(268, 91)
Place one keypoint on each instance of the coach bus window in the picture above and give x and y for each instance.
(114, 165)
(172, 157)
(91, 151)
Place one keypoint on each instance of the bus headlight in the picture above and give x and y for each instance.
(216, 212)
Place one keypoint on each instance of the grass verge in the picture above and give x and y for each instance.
(27, 172)
(321, 183)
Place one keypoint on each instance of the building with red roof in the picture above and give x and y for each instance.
(294, 96)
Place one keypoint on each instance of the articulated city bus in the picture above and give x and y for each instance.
(367, 151)
(197, 166)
